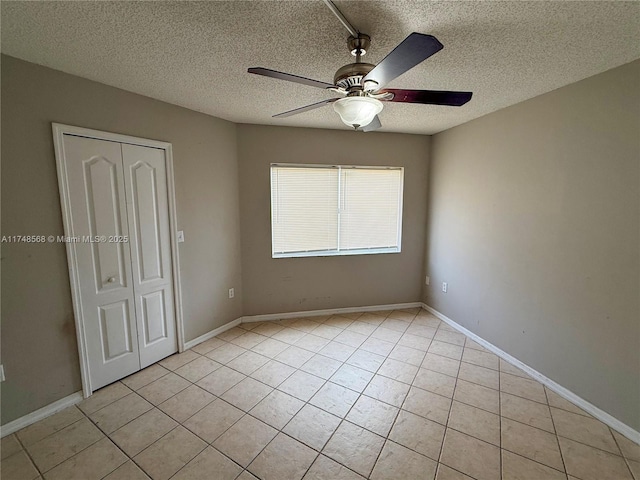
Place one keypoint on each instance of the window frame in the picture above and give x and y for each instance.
(338, 252)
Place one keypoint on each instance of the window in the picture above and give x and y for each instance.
(319, 210)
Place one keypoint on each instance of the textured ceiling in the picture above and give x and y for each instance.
(196, 54)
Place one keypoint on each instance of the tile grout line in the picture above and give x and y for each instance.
(537, 462)
(626, 460)
(325, 382)
(375, 373)
(157, 440)
(318, 452)
(343, 363)
(52, 434)
(590, 446)
(360, 394)
(446, 426)
(124, 424)
(107, 435)
(169, 370)
(342, 420)
(128, 458)
(386, 439)
(24, 449)
(363, 394)
(564, 464)
(273, 389)
(499, 419)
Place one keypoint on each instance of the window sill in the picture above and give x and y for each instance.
(336, 253)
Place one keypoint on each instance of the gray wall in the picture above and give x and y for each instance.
(534, 221)
(295, 284)
(39, 349)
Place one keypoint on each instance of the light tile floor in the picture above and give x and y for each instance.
(381, 395)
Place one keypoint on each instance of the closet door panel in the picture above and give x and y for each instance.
(154, 317)
(95, 181)
(115, 328)
(147, 222)
(148, 219)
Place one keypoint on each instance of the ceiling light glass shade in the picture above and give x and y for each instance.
(357, 111)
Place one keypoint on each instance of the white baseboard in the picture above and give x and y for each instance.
(39, 414)
(212, 333)
(601, 415)
(330, 311)
(77, 397)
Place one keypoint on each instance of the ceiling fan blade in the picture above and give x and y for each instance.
(411, 51)
(313, 106)
(429, 97)
(374, 125)
(289, 77)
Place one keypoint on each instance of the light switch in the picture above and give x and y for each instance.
(180, 236)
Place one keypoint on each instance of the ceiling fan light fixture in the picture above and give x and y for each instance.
(358, 111)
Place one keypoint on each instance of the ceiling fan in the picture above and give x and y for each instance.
(362, 85)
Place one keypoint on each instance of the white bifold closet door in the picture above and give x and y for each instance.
(119, 190)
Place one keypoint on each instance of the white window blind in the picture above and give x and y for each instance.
(335, 210)
(304, 205)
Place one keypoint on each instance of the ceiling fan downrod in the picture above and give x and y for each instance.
(349, 78)
(341, 17)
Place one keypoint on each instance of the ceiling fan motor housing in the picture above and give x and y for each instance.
(350, 76)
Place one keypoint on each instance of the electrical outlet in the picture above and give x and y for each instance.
(2, 373)
(232, 293)
(445, 286)
(427, 280)
(180, 236)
